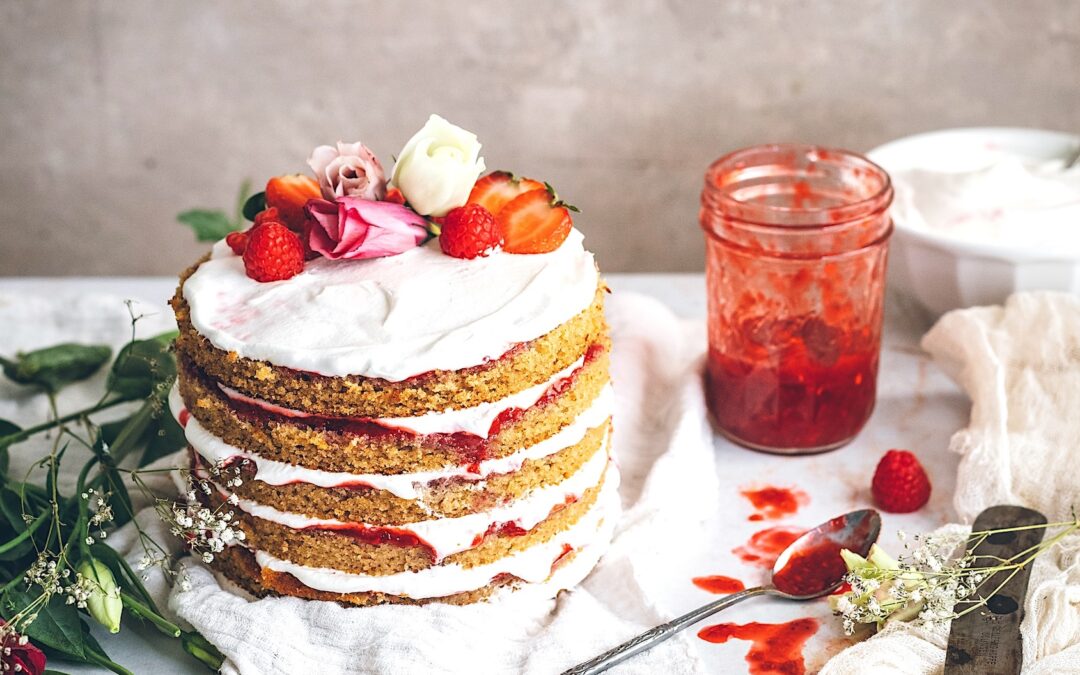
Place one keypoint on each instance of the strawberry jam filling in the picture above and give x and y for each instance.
(374, 535)
(377, 536)
(471, 448)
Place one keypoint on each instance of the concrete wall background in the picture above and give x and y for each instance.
(116, 115)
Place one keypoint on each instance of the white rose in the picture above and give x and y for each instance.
(438, 167)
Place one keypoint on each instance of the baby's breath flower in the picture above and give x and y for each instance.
(928, 584)
(205, 531)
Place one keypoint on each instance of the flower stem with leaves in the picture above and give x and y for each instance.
(55, 569)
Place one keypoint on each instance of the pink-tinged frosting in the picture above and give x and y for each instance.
(355, 228)
(393, 317)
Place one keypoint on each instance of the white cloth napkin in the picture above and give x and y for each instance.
(662, 443)
(1020, 364)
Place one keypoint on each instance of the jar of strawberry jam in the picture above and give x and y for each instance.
(797, 238)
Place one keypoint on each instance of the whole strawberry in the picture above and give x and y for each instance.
(289, 194)
(273, 253)
(900, 483)
(470, 231)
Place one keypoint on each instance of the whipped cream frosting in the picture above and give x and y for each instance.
(404, 486)
(392, 317)
(447, 536)
(992, 196)
(476, 420)
(532, 565)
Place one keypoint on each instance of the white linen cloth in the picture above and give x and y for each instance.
(662, 443)
(1020, 364)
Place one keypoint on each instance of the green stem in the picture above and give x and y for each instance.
(202, 649)
(82, 521)
(25, 534)
(11, 584)
(99, 660)
(142, 611)
(128, 437)
(20, 436)
(1026, 527)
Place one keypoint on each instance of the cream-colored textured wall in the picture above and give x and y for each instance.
(116, 115)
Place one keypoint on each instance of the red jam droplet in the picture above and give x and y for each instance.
(765, 546)
(718, 584)
(776, 648)
(773, 503)
(183, 417)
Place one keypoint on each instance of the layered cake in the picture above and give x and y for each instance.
(406, 380)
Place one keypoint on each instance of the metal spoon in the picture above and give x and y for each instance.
(809, 568)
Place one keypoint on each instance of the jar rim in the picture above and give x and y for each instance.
(771, 216)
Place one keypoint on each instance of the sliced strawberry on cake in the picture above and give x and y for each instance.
(535, 222)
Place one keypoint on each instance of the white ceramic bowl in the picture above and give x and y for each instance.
(943, 273)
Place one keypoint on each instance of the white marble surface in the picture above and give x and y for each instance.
(918, 409)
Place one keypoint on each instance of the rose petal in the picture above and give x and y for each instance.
(354, 230)
(324, 216)
(358, 228)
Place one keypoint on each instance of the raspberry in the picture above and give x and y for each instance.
(237, 241)
(273, 253)
(267, 215)
(470, 231)
(900, 483)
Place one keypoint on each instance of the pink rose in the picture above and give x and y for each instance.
(350, 170)
(351, 227)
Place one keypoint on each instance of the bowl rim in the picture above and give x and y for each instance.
(994, 251)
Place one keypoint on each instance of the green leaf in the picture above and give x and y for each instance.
(110, 430)
(12, 508)
(254, 205)
(167, 436)
(141, 366)
(57, 625)
(208, 225)
(123, 510)
(6, 429)
(241, 199)
(53, 367)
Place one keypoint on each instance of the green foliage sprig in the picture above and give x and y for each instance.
(55, 571)
(213, 224)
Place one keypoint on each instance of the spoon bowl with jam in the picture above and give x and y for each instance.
(810, 567)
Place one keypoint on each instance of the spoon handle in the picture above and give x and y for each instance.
(655, 636)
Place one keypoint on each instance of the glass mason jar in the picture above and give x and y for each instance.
(797, 239)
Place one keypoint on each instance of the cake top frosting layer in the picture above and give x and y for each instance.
(393, 317)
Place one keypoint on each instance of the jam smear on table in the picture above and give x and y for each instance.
(775, 648)
(793, 383)
(720, 585)
(774, 502)
(765, 546)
